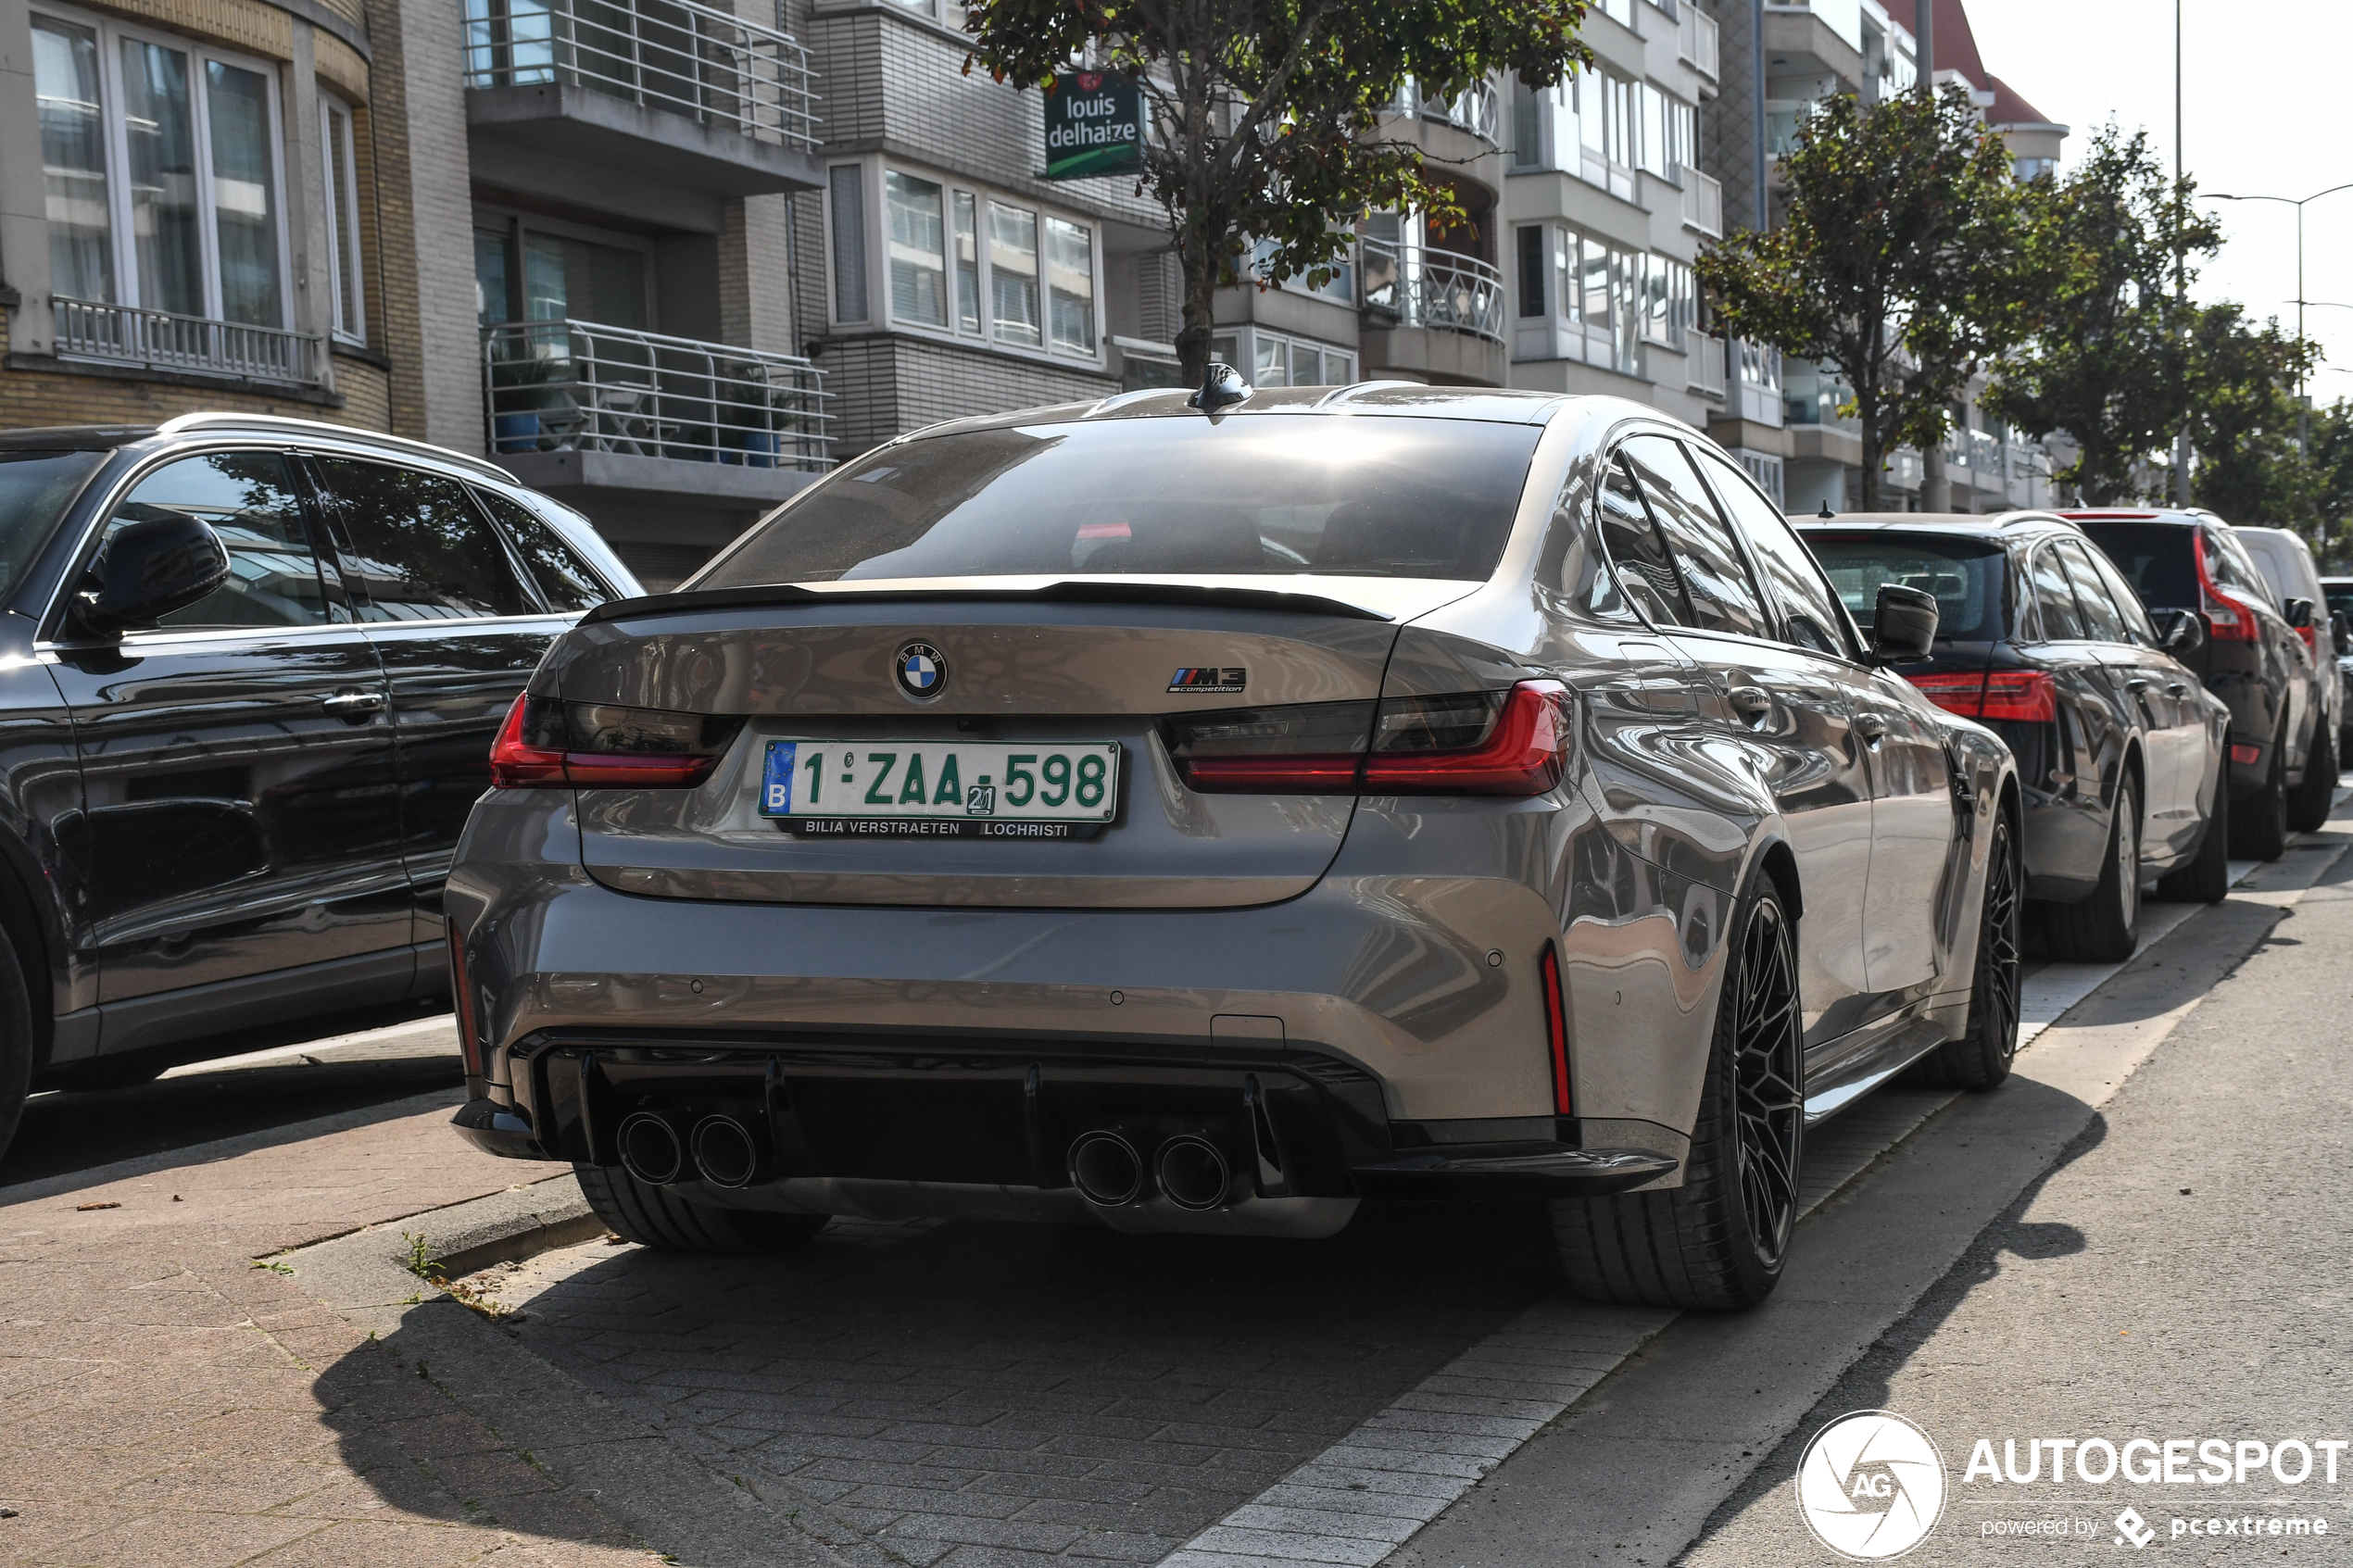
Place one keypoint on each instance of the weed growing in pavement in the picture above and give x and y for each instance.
(420, 1259)
(425, 1266)
(274, 1266)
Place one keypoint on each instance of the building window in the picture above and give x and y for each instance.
(160, 173)
(1012, 271)
(523, 274)
(1273, 359)
(847, 210)
(1670, 302)
(918, 250)
(1534, 294)
(967, 263)
(1070, 285)
(349, 303)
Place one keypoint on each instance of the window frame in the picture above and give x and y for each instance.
(121, 240)
(329, 106)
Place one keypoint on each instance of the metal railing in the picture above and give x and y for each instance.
(678, 56)
(1697, 43)
(158, 340)
(1704, 202)
(1478, 109)
(1416, 287)
(582, 386)
(1704, 371)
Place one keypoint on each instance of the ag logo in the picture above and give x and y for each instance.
(1872, 1486)
(923, 672)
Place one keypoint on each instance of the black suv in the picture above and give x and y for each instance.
(250, 670)
(2253, 659)
(2120, 754)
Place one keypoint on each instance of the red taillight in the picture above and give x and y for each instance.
(1274, 776)
(2245, 756)
(2027, 696)
(1525, 753)
(2228, 619)
(1962, 694)
(523, 757)
(461, 990)
(1556, 1029)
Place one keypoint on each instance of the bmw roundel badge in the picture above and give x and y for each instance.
(923, 672)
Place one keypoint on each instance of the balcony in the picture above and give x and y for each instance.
(668, 91)
(158, 340)
(1695, 42)
(583, 407)
(1702, 201)
(1411, 285)
(1704, 371)
(1479, 110)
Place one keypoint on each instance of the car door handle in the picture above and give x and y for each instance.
(2137, 687)
(1871, 727)
(1751, 702)
(2175, 688)
(354, 704)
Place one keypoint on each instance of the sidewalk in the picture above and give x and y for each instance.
(163, 1400)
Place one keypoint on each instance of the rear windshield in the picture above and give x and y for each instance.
(35, 490)
(1360, 496)
(2156, 557)
(1964, 574)
(2340, 597)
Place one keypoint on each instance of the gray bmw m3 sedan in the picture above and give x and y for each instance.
(1209, 822)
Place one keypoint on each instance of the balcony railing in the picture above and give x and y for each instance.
(1416, 286)
(1704, 371)
(1702, 201)
(582, 386)
(158, 340)
(1479, 110)
(1695, 42)
(675, 55)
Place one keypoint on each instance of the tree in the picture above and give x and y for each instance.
(1908, 258)
(1265, 113)
(2329, 458)
(2108, 361)
(2242, 388)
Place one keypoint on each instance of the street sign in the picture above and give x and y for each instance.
(1094, 125)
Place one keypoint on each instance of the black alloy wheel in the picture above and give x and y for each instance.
(1981, 1058)
(1767, 1066)
(2258, 823)
(2309, 807)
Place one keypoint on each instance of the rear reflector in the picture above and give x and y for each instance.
(598, 745)
(2245, 756)
(1556, 1029)
(461, 990)
(2025, 697)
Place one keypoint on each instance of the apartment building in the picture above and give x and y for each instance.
(1783, 57)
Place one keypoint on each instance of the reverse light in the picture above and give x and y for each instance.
(1513, 742)
(547, 741)
(2229, 619)
(1556, 1029)
(2026, 697)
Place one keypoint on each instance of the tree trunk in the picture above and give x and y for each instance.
(1201, 305)
(1867, 410)
(1936, 490)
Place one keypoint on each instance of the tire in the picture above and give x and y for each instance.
(2258, 823)
(2206, 879)
(2310, 804)
(2104, 927)
(15, 1043)
(654, 1217)
(1981, 1058)
(1719, 1240)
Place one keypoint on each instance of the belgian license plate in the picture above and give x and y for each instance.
(919, 789)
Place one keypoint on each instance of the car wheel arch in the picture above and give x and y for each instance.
(1777, 862)
(30, 928)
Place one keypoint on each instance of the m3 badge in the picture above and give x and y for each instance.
(1205, 678)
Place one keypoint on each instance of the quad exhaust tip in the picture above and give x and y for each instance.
(1106, 1169)
(1194, 1173)
(650, 1150)
(725, 1152)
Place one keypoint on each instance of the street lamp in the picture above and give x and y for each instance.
(2297, 203)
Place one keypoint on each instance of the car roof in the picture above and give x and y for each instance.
(73, 438)
(1409, 400)
(2185, 516)
(1989, 526)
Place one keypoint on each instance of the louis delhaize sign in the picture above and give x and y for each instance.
(1094, 125)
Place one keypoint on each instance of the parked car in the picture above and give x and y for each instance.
(249, 675)
(1205, 823)
(2286, 564)
(2339, 591)
(2119, 750)
(2282, 701)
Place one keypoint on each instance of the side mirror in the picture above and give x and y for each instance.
(150, 568)
(2180, 631)
(2298, 612)
(1904, 626)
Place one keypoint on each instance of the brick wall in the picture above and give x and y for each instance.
(1728, 122)
(884, 386)
(75, 397)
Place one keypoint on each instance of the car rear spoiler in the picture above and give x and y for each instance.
(1204, 596)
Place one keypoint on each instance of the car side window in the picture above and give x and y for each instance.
(2100, 615)
(1645, 570)
(2128, 603)
(419, 550)
(2054, 599)
(249, 499)
(1809, 608)
(1723, 596)
(565, 581)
